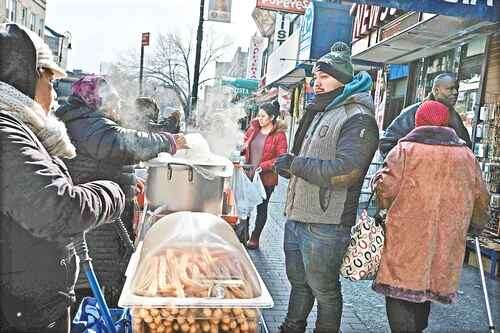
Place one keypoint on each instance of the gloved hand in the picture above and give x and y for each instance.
(283, 164)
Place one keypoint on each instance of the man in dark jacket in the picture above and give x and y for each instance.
(41, 210)
(106, 150)
(444, 90)
(333, 148)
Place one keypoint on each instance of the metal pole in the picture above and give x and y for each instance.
(485, 291)
(141, 69)
(199, 39)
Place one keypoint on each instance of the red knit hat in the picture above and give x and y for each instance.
(431, 113)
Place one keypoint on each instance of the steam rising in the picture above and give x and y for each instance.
(217, 121)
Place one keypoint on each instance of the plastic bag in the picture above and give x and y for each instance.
(248, 194)
(89, 319)
(195, 260)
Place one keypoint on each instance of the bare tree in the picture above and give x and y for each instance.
(171, 64)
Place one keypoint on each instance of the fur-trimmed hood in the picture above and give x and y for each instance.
(49, 130)
(279, 126)
(434, 135)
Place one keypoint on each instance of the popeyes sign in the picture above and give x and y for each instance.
(287, 6)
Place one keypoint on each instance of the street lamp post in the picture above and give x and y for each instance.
(199, 39)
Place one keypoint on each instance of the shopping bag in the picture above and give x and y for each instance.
(248, 193)
(89, 319)
(364, 252)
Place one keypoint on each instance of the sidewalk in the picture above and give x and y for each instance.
(364, 310)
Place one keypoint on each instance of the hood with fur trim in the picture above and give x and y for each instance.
(49, 130)
(279, 126)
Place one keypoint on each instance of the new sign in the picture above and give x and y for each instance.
(287, 6)
(488, 10)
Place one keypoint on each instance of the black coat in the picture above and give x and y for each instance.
(405, 123)
(105, 150)
(40, 212)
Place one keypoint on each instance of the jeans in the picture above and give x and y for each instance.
(261, 218)
(405, 316)
(313, 254)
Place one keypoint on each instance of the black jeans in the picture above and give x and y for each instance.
(261, 218)
(405, 316)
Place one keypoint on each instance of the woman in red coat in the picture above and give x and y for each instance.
(265, 140)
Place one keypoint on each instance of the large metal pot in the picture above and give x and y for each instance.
(181, 188)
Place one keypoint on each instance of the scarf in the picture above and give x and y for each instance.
(48, 129)
(361, 82)
(319, 104)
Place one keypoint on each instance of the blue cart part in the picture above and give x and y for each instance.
(94, 315)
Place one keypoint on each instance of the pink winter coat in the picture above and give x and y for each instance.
(434, 192)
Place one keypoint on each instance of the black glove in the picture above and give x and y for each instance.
(283, 164)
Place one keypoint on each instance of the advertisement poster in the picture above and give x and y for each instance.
(257, 46)
(219, 11)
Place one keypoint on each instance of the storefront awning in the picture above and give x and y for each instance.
(434, 34)
(488, 10)
(298, 74)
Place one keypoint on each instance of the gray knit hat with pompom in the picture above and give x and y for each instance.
(337, 63)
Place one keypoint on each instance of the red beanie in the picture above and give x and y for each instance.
(431, 113)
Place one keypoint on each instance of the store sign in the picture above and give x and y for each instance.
(316, 33)
(264, 20)
(285, 100)
(282, 29)
(480, 9)
(219, 11)
(287, 6)
(145, 39)
(283, 59)
(368, 18)
(257, 46)
(306, 31)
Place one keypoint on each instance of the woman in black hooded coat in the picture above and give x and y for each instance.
(106, 150)
(41, 210)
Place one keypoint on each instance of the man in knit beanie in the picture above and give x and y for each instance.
(444, 90)
(333, 147)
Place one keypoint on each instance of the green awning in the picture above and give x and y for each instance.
(238, 83)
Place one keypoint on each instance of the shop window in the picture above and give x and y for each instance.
(32, 22)
(397, 100)
(24, 16)
(446, 62)
(40, 28)
(11, 10)
(469, 79)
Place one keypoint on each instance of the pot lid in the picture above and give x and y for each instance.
(198, 156)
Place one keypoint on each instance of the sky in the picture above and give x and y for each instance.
(102, 30)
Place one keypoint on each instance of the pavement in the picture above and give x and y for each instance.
(364, 310)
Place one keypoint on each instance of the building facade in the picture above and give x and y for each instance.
(30, 13)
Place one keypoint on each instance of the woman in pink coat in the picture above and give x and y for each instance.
(431, 184)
